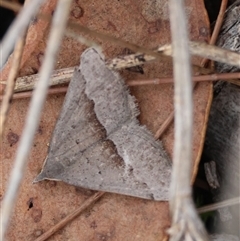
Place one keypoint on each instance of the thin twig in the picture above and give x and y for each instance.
(217, 28)
(28, 94)
(90, 201)
(16, 7)
(58, 77)
(83, 40)
(218, 25)
(216, 53)
(10, 83)
(210, 52)
(164, 126)
(199, 233)
(199, 78)
(186, 224)
(17, 56)
(56, 35)
(18, 26)
(63, 76)
(162, 53)
(212, 207)
(105, 37)
(196, 48)
(199, 49)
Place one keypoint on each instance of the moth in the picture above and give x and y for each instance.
(98, 142)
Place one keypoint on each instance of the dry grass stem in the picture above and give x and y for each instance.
(216, 53)
(213, 39)
(182, 201)
(117, 41)
(226, 203)
(82, 39)
(56, 35)
(19, 26)
(196, 48)
(162, 53)
(10, 84)
(186, 224)
(28, 94)
(58, 77)
(230, 77)
(16, 7)
(217, 28)
(26, 84)
(17, 56)
(63, 76)
(71, 216)
(164, 126)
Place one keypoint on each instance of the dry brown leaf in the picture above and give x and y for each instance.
(114, 217)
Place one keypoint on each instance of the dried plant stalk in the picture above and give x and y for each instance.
(56, 35)
(216, 31)
(14, 6)
(82, 39)
(17, 56)
(230, 77)
(71, 216)
(59, 77)
(196, 48)
(186, 224)
(217, 27)
(63, 76)
(19, 25)
(226, 203)
(28, 94)
(10, 83)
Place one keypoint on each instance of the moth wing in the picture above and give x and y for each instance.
(145, 160)
(113, 104)
(75, 130)
(82, 153)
